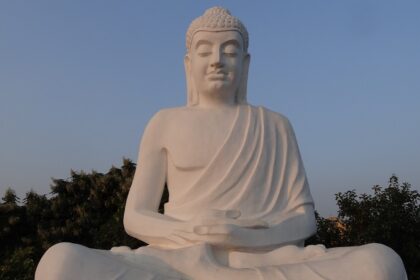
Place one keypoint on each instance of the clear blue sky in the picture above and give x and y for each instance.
(79, 80)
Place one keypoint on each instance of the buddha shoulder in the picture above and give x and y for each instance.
(170, 117)
(278, 119)
(165, 123)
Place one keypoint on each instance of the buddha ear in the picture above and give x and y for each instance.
(187, 63)
(192, 96)
(242, 90)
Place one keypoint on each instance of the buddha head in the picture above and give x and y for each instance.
(217, 58)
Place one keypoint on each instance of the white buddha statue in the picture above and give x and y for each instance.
(239, 201)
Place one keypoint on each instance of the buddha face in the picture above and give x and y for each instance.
(215, 62)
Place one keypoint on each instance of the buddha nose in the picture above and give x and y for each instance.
(217, 64)
(216, 60)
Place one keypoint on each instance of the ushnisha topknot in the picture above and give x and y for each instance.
(216, 19)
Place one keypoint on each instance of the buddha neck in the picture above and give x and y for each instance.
(216, 101)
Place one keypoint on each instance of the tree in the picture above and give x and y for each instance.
(87, 208)
(12, 223)
(390, 216)
(10, 197)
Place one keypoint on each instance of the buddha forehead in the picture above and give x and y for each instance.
(220, 38)
(220, 21)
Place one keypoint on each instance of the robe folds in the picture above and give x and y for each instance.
(258, 171)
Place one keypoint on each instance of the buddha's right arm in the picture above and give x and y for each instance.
(141, 217)
(153, 228)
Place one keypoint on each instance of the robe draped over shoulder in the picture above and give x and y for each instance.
(258, 170)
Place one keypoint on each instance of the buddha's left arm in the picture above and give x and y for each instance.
(293, 228)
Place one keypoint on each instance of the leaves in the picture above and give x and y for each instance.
(87, 208)
(390, 216)
(10, 197)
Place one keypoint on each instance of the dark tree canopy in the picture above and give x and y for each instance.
(86, 208)
(390, 216)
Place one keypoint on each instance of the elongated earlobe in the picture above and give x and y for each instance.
(242, 90)
(192, 95)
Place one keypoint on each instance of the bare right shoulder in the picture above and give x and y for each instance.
(161, 126)
(166, 117)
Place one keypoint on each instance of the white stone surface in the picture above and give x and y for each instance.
(239, 206)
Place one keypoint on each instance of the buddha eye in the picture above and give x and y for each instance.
(230, 50)
(230, 54)
(203, 50)
(204, 53)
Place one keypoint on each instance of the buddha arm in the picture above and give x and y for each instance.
(292, 228)
(141, 217)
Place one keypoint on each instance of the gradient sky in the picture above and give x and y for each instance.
(80, 79)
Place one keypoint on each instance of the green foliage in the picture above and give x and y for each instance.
(87, 208)
(390, 216)
(329, 232)
(20, 264)
(10, 197)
